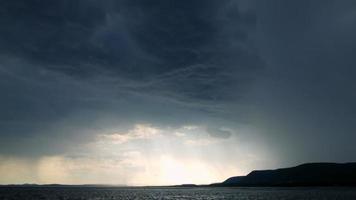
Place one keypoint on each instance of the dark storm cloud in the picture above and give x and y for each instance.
(181, 49)
(306, 96)
(285, 68)
(67, 64)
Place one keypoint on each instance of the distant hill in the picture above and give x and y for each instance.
(310, 174)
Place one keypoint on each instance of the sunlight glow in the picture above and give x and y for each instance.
(140, 156)
(180, 172)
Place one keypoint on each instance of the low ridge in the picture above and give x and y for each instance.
(309, 174)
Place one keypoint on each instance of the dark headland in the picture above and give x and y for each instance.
(310, 174)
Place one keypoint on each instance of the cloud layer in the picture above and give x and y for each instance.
(245, 84)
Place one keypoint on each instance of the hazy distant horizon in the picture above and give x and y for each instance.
(178, 185)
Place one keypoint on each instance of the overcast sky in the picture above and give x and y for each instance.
(151, 92)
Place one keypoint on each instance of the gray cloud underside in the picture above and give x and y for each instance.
(174, 48)
(127, 60)
(285, 68)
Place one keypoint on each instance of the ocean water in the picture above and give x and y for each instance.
(58, 193)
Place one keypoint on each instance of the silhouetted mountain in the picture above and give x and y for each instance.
(311, 174)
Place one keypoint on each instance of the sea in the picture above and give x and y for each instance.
(171, 193)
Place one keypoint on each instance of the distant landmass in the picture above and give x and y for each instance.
(61, 185)
(310, 174)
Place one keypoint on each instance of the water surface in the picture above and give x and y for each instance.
(100, 193)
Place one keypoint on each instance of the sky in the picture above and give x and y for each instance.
(161, 92)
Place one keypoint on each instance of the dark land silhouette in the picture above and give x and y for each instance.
(310, 174)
